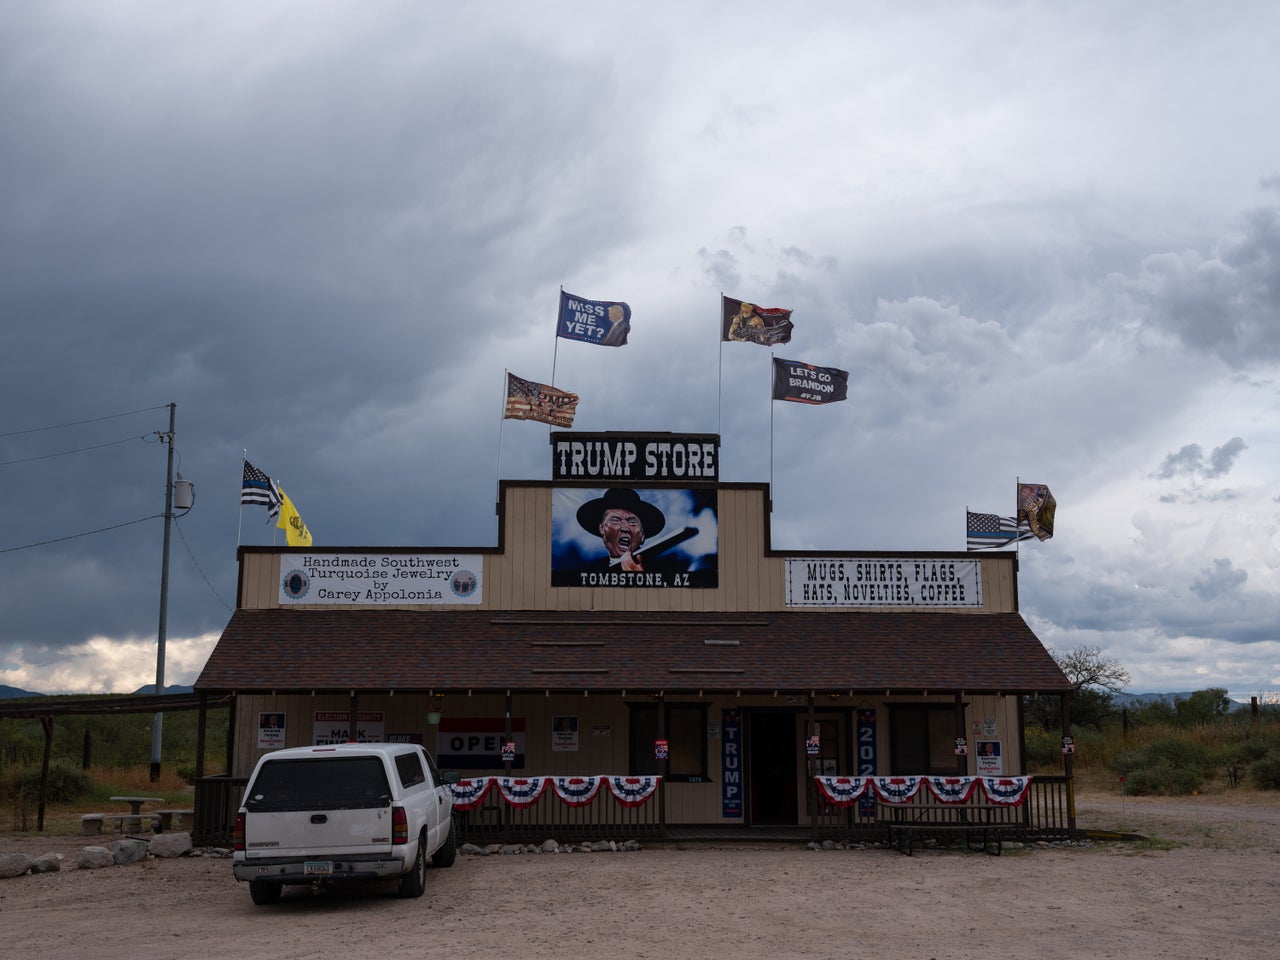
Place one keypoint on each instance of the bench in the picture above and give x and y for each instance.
(126, 823)
(91, 824)
(971, 819)
(164, 819)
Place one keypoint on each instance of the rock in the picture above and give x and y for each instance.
(48, 863)
(14, 865)
(170, 845)
(471, 850)
(631, 846)
(602, 846)
(92, 858)
(130, 851)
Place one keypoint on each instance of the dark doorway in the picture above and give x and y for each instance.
(771, 758)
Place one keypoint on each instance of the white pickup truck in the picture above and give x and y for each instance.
(351, 811)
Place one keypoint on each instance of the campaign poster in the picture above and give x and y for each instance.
(635, 538)
(270, 731)
(334, 726)
(564, 734)
(989, 762)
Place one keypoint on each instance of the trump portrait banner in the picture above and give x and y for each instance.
(620, 537)
(605, 323)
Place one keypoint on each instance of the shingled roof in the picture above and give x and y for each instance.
(408, 650)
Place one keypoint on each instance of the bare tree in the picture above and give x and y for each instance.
(1085, 667)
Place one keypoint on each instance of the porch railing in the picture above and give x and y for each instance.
(216, 803)
(1047, 813)
(604, 818)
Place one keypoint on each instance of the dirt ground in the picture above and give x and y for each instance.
(1204, 884)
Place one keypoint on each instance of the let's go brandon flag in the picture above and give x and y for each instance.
(805, 383)
(527, 400)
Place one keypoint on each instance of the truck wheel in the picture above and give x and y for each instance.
(263, 893)
(448, 851)
(415, 881)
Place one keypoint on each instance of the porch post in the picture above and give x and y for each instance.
(663, 764)
(1067, 764)
(810, 767)
(47, 723)
(201, 723)
(962, 763)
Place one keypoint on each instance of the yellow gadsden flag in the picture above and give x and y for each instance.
(295, 530)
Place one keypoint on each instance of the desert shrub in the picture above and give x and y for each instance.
(1044, 748)
(1170, 765)
(1164, 779)
(1265, 771)
(66, 783)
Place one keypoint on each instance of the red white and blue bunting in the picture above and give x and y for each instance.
(844, 791)
(896, 789)
(1009, 791)
(469, 794)
(632, 791)
(521, 792)
(576, 791)
(952, 789)
(524, 792)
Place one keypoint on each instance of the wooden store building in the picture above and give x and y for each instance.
(635, 657)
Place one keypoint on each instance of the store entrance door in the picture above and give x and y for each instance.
(772, 760)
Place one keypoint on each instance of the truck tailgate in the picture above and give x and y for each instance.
(331, 834)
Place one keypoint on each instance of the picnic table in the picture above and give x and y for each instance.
(132, 822)
(135, 803)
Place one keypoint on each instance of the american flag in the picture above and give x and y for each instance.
(986, 530)
(527, 400)
(258, 489)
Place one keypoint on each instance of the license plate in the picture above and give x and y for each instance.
(318, 868)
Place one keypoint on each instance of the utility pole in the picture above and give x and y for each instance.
(157, 727)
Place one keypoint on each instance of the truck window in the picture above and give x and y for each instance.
(331, 783)
(410, 769)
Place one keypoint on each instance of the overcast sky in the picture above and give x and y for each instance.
(1043, 238)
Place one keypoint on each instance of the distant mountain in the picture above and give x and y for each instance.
(149, 688)
(1130, 701)
(13, 693)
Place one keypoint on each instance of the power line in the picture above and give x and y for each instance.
(76, 536)
(64, 453)
(77, 423)
(197, 563)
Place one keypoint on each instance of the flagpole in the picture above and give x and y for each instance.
(720, 367)
(770, 431)
(555, 348)
(244, 458)
(502, 415)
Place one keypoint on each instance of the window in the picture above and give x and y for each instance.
(922, 739)
(409, 766)
(686, 736)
